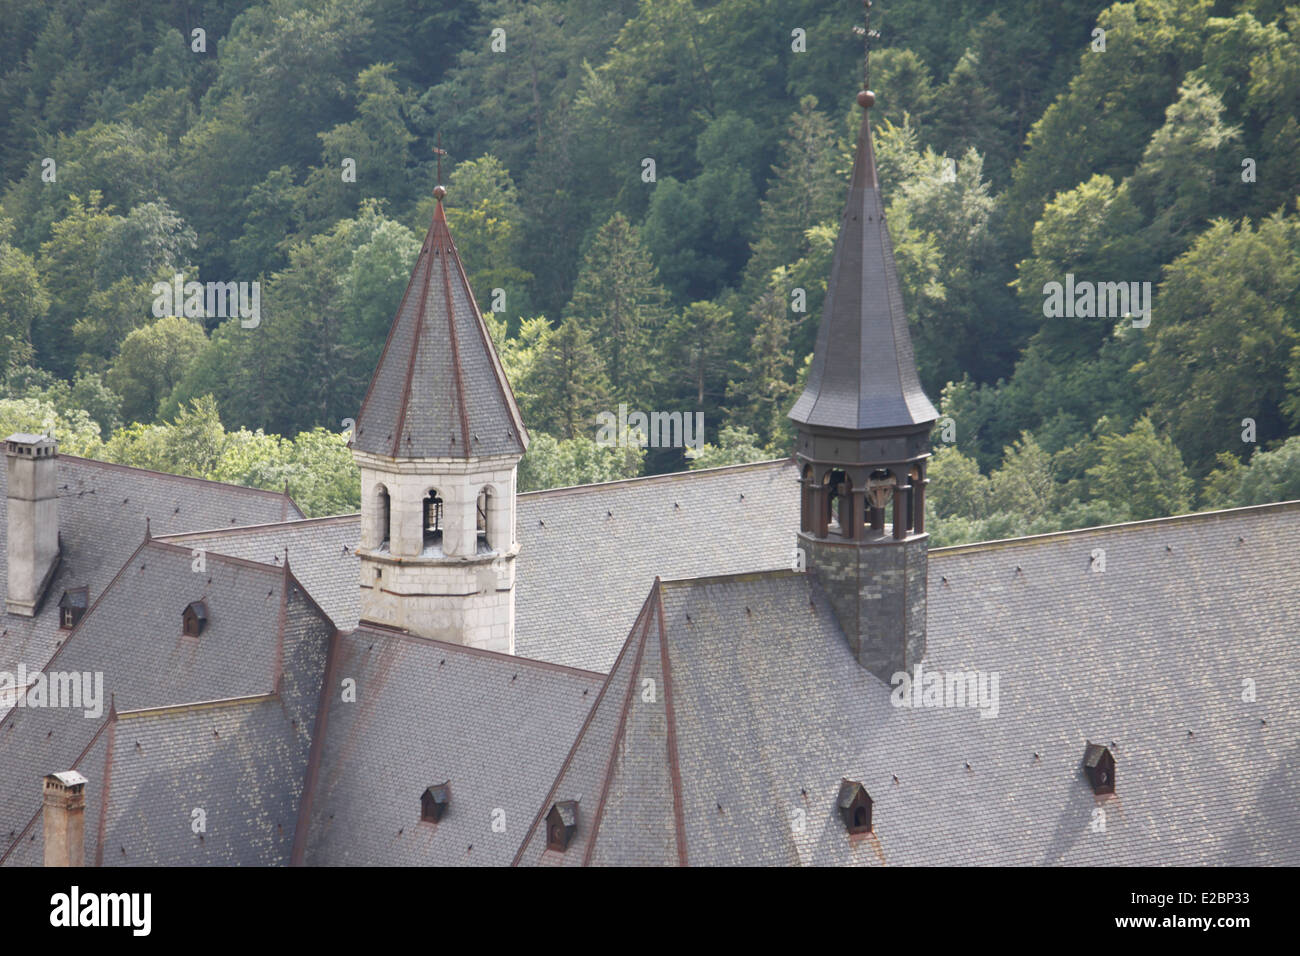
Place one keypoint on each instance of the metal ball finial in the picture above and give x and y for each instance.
(866, 99)
(439, 191)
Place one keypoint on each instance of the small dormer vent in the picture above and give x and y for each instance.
(435, 801)
(194, 618)
(72, 607)
(561, 824)
(854, 804)
(1099, 765)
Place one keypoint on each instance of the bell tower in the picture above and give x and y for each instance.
(863, 440)
(438, 439)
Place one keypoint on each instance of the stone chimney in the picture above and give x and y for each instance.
(33, 508)
(65, 819)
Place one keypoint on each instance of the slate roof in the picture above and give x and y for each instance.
(587, 553)
(439, 390)
(322, 552)
(736, 753)
(763, 712)
(494, 727)
(863, 372)
(241, 762)
(102, 512)
(264, 634)
(621, 770)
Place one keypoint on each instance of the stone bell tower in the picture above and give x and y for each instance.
(863, 440)
(437, 440)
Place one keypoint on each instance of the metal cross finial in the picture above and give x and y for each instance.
(439, 152)
(867, 35)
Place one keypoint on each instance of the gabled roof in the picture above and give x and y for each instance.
(323, 552)
(439, 390)
(75, 598)
(495, 727)
(574, 542)
(849, 790)
(622, 770)
(762, 713)
(239, 761)
(863, 373)
(103, 512)
(265, 635)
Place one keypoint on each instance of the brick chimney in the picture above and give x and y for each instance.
(65, 818)
(33, 510)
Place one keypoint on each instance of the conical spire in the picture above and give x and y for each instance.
(863, 373)
(439, 390)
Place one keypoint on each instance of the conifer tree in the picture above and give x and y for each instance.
(570, 383)
(619, 299)
(806, 189)
(763, 390)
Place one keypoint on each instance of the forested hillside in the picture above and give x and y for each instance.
(645, 196)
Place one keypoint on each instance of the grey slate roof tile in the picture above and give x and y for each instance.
(495, 727)
(240, 762)
(257, 639)
(102, 512)
(771, 711)
(863, 372)
(758, 714)
(322, 553)
(582, 575)
(619, 769)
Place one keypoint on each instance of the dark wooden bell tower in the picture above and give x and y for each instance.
(864, 440)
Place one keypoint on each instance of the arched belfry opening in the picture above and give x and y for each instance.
(880, 484)
(483, 519)
(916, 499)
(431, 519)
(807, 496)
(383, 517)
(840, 517)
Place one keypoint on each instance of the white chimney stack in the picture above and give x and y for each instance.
(33, 508)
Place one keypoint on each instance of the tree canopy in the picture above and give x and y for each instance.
(645, 195)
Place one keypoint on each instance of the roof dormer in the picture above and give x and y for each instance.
(561, 824)
(194, 618)
(854, 804)
(72, 607)
(1099, 766)
(434, 802)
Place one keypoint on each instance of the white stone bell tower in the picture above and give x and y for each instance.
(438, 440)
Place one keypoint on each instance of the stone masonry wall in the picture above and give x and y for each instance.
(878, 591)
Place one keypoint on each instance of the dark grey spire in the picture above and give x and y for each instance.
(863, 373)
(439, 390)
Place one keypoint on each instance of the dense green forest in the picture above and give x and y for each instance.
(645, 196)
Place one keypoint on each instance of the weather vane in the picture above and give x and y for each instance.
(439, 190)
(867, 35)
